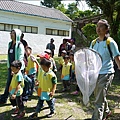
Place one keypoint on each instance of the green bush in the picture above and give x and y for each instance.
(89, 30)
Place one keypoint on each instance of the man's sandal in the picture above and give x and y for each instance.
(108, 115)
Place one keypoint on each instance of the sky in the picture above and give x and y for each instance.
(82, 5)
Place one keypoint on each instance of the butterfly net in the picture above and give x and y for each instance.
(87, 66)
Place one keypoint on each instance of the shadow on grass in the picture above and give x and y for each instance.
(60, 96)
(3, 75)
(31, 110)
(7, 114)
(1, 105)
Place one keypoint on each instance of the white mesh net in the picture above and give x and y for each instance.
(87, 66)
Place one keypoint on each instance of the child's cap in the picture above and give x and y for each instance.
(71, 53)
(63, 51)
(44, 55)
(48, 51)
(66, 56)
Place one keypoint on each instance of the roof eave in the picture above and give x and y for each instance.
(36, 15)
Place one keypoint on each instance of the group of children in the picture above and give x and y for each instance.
(43, 75)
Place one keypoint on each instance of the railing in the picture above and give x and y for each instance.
(81, 35)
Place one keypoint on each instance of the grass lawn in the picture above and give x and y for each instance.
(3, 57)
(67, 106)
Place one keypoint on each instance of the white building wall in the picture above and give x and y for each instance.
(36, 41)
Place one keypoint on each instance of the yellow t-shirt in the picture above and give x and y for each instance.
(15, 79)
(31, 65)
(46, 81)
(60, 60)
(66, 71)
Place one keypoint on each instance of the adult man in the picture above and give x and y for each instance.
(51, 46)
(106, 74)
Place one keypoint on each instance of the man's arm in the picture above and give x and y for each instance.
(117, 60)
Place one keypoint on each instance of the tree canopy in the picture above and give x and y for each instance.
(89, 31)
(72, 11)
(62, 8)
(111, 10)
(51, 3)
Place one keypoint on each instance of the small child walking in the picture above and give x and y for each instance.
(47, 81)
(53, 64)
(71, 55)
(61, 59)
(66, 73)
(30, 72)
(16, 89)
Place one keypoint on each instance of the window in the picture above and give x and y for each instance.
(15, 26)
(28, 29)
(49, 31)
(22, 28)
(8, 27)
(66, 33)
(1, 26)
(34, 30)
(56, 32)
(60, 32)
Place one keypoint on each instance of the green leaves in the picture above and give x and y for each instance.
(89, 30)
(111, 12)
(51, 3)
(62, 8)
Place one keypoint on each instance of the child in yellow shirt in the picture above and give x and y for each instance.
(47, 81)
(16, 89)
(66, 73)
(61, 59)
(30, 72)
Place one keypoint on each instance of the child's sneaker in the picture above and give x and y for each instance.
(51, 114)
(33, 116)
(21, 115)
(16, 111)
(75, 93)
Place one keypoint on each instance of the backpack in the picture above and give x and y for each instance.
(108, 45)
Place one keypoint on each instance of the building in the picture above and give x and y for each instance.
(39, 24)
